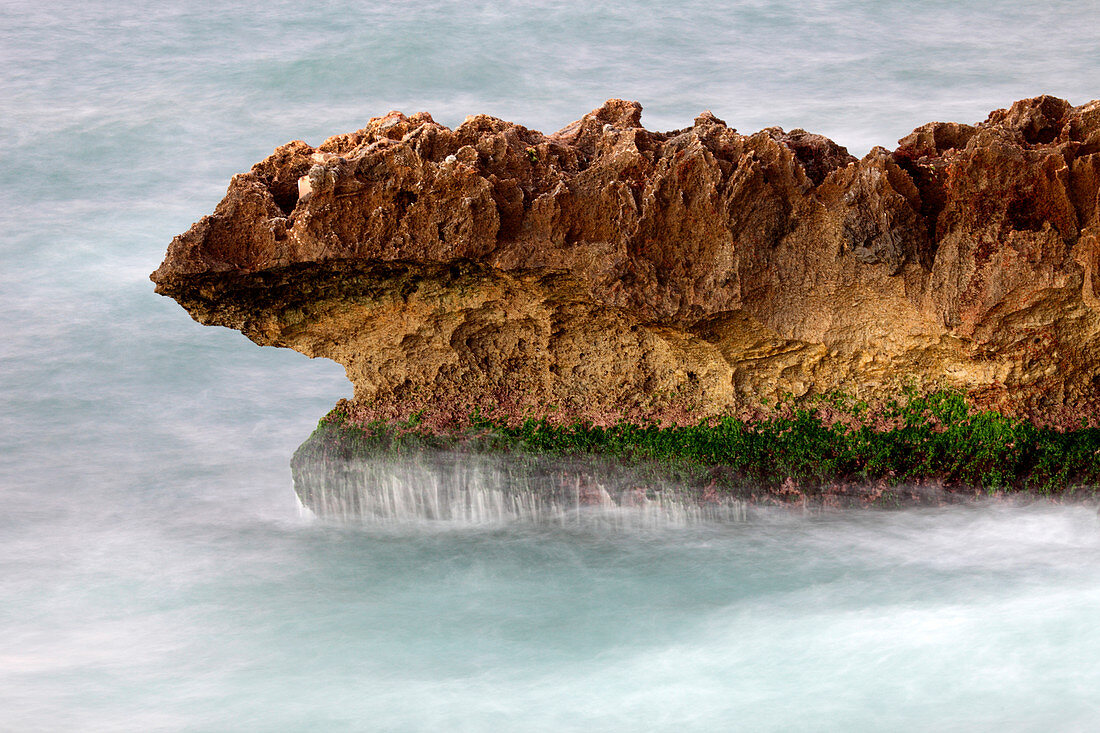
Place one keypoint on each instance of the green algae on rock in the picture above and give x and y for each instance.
(835, 452)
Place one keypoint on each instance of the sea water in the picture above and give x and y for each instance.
(156, 570)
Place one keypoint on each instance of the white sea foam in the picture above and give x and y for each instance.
(487, 489)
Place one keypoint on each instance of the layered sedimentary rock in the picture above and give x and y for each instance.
(608, 271)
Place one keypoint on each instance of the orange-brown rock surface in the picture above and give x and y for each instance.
(607, 270)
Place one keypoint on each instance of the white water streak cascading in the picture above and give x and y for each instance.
(479, 489)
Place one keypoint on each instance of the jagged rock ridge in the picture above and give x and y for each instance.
(607, 271)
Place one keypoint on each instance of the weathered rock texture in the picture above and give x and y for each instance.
(607, 270)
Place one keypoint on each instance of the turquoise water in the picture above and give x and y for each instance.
(157, 573)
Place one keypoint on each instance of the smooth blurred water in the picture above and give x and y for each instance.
(156, 572)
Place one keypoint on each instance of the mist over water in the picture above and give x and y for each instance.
(158, 573)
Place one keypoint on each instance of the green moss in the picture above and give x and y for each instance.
(932, 437)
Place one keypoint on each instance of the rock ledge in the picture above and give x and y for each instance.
(607, 271)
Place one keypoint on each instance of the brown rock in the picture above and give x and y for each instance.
(607, 271)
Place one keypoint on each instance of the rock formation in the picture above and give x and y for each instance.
(607, 271)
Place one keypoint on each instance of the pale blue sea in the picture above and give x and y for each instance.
(156, 572)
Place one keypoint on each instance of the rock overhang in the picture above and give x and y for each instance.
(609, 270)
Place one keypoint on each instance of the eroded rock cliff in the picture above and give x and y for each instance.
(606, 270)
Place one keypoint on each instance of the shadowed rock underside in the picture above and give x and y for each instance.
(608, 271)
